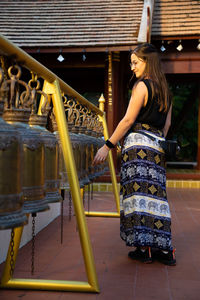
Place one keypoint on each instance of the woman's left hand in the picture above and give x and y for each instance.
(101, 155)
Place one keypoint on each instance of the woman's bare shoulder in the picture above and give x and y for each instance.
(140, 87)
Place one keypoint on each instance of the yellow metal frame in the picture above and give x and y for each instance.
(92, 284)
(53, 85)
(43, 284)
(113, 178)
(110, 158)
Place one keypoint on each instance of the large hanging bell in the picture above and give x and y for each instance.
(78, 142)
(85, 142)
(11, 200)
(62, 172)
(38, 122)
(17, 114)
(33, 161)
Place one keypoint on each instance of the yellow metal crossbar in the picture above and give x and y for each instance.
(42, 284)
(9, 49)
(114, 182)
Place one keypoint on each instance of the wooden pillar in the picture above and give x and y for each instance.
(113, 94)
(117, 88)
(110, 111)
(113, 90)
(148, 25)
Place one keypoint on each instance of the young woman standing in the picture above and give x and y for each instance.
(145, 219)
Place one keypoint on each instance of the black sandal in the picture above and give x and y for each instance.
(166, 258)
(143, 256)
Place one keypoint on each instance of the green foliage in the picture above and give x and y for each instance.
(185, 119)
(92, 97)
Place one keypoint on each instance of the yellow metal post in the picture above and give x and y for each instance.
(74, 185)
(52, 87)
(92, 284)
(16, 243)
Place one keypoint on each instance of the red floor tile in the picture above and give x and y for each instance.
(119, 277)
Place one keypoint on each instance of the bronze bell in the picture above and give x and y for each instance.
(98, 129)
(17, 113)
(71, 115)
(78, 142)
(77, 148)
(39, 123)
(11, 198)
(62, 172)
(92, 146)
(85, 142)
(96, 143)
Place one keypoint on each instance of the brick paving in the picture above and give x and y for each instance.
(119, 277)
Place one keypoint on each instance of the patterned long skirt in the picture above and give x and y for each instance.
(145, 218)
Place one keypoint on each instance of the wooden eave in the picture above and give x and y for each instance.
(72, 25)
(77, 49)
(176, 20)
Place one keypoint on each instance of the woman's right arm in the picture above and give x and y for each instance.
(167, 122)
(138, 96)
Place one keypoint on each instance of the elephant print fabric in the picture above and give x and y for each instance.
(145, 218)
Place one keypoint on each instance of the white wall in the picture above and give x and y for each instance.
(42, 220)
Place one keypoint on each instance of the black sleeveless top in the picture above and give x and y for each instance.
(150, 113)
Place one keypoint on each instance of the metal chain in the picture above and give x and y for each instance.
(70, 206)
(84, 197)
(33, 244)
(61, 213)
(88, 195)
(12, 252)
(92, 191)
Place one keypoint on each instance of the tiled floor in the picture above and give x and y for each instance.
(119, 278)
(183, 174)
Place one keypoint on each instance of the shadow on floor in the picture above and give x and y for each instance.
(119, 277)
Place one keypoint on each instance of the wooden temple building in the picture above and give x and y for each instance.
(87, 43)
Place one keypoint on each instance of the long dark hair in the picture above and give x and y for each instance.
(153, 71)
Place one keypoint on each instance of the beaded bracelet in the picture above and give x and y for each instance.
(109, 144)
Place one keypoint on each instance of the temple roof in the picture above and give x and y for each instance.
(176, 18)
(72, 23)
